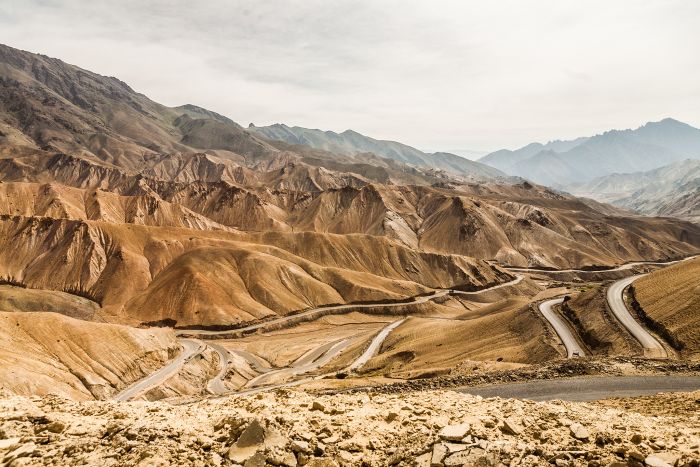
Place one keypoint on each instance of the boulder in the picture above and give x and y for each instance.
(318, 405)
(473, 457)
(301, 446)
(656, 461)
(511, 426)
(355, 444)
(454, 432)
(56, 427)
(25, 450)
(455, 447)
(579, 431)
(9, 443)
(439, 453)
(253, 439)
(256, 460)
(423, 460)
(281, 457)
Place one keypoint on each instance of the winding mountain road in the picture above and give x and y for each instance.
(624, 267)
(315, 359)
(516, 281)
(374, 346)
(615, 298)
(190, 348)
(323, 310)
(572, 346)
(308, 362)
(216, 385)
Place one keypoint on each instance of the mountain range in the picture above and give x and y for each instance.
(179, 213)
(351, 142)
(561, 163)
(672, 190)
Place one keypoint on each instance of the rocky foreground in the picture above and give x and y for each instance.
(290, 428)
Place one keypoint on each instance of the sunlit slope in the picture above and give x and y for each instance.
(46, 353)
(671, 296)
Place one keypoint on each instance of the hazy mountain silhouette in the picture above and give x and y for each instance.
(352, 142)
(672, 190)
(617, 151)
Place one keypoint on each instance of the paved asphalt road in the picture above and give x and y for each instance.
(216, 384)
(588, 388)
(375, 345)
(193, 347)
(515, 281)
(304, 364)
(190, 348)
(559, 325)
(652, 347)
(624, 267)
(324, 309)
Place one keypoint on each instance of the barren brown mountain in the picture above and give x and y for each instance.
(116, 211)
(46, 353)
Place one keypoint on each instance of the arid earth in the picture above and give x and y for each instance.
(292, 428)
(177, 289)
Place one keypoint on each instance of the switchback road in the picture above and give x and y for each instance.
(304, 364)
(375, 345)
(216, 385)
(624, 267)
(327, 310)
(616, 301)
(572, 346)
(190, 348)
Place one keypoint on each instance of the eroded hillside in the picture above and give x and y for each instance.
(46, 353)
(277, 262)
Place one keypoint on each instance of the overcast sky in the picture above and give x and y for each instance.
(434, 74)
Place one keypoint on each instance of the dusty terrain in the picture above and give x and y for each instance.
(45, 353)
(671, 297)
(292, 428)
(600, 332)
(168, 257)
(13, 298)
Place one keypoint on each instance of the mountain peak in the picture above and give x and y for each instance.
(669, 120)
(199, 112)
(650, 146)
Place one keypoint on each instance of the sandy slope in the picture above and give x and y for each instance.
(14, 298)
(438, 341)
(141, 274)
(671, 297)
(46, 353)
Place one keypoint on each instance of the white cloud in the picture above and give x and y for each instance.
(439, 74)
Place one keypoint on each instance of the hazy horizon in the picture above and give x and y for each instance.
(472, 75)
